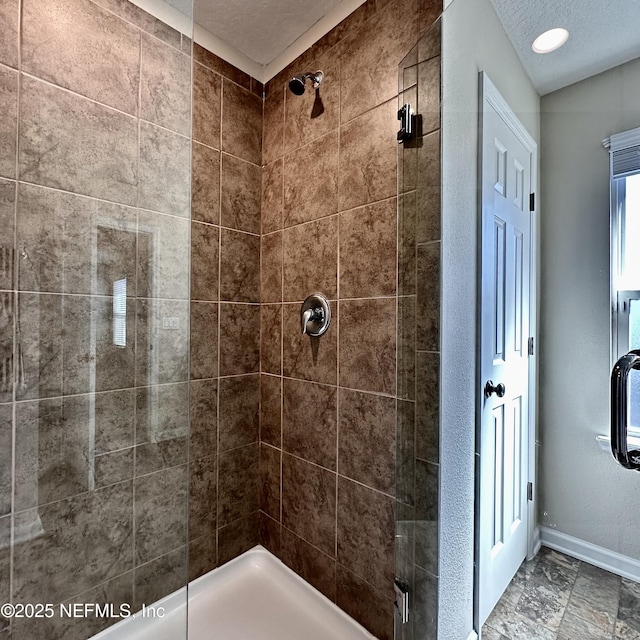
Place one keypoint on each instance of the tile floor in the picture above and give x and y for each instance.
(556, 597)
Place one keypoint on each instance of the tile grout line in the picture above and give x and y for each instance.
(219, 337)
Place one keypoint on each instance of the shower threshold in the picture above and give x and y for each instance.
(253, 597)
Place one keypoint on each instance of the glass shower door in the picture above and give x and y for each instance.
(94, 316)
(418, 415)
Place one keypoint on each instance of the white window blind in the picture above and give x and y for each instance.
(624, 149)
(120, 313)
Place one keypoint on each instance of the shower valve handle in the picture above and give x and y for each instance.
(315, 315)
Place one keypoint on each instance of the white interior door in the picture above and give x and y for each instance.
(506, 174)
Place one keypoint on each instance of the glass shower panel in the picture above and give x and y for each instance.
(94, 315)
(417, 425)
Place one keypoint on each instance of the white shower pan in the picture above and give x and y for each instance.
(253, 597)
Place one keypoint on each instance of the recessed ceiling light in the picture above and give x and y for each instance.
(550, 40)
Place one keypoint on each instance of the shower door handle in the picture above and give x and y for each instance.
(620, 411)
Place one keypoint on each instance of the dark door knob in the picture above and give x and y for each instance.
(490, 389)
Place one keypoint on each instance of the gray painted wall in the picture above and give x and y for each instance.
(473, 41)
(583, 493)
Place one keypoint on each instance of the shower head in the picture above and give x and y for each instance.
(297, 84)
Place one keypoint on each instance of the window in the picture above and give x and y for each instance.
(625, 257)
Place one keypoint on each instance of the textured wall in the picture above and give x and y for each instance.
(585, 495)
(329, 224)
(473, 40)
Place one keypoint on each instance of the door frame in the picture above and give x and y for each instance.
(488, 94)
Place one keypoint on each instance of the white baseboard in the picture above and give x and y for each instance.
(599, 556)
(536, 543)
(472, 636)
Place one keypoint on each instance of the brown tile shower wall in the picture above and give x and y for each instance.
(95, 189)
(329, 225)
(225, 312)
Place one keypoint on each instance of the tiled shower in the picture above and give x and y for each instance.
(163, 217)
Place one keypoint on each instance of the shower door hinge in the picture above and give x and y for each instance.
(402, 599)
(405, 115)
(530, 346)
(532, 202)
(529, 491)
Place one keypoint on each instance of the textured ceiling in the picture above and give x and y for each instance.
(602, 35)
(261, 29)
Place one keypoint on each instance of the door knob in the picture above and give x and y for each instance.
(490, 389)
